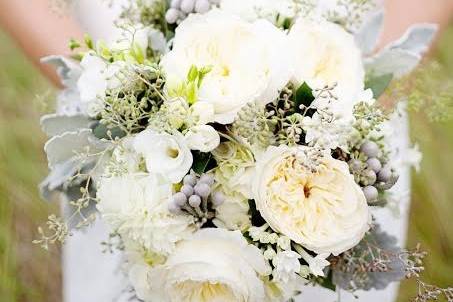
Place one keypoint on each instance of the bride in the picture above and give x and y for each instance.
(90, 275)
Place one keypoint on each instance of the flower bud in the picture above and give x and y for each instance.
(371, 193)
(370, 149)
(180, 199)
(187, 190)
(374, 164)
(218, 199)
(202, 189)
(207, 179)
(194, 201)
(190, 180)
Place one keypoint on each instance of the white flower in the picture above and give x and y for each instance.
(286, 265)
(233, 214)
(136, 206)
(97, 76)
(214, 265)
(202, 112)
(248, 60)
(165, 154)
(324, 54)
(124, 159)
(324, 211)
(203, 138)
(235, 169)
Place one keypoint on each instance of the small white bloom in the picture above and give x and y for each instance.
(325, 54)
(248, 61)
(284, 242)
(235, 169)
(136, 206)
(324, 211)
(286, 265)
(269, 253)
(203, 138)
(177, 110)
(233, 214)
(165, 154)
(214, 265)
(202, 112)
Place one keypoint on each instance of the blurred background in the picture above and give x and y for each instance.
(27, 273)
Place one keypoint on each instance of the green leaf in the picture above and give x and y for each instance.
(378, 84)
(328, 281)
(303, 96)
(192, 75)
(202, 162)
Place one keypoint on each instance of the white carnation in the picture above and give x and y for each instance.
(165, 154)
(324, 211)
(203, 138)
(214, 265)
(325, 54)
(136, 206)
(248, 60)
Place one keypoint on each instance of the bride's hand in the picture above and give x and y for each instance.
(38, 30)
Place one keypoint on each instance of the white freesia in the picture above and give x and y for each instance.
(233, 214)
(214, 265)
(165, 154)
(203, 138)
(286, 266)
(325, 211)
(136, 206)
(248, 60)
(235, 169)
(324, 54)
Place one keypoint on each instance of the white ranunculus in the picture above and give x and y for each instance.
(324, 211)
(323, 54)
(203, 138)
(248, 60)
(136, 206)
(214, 265)
(165, 154)
(233, 213)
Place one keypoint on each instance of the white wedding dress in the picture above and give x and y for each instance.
(93, 276)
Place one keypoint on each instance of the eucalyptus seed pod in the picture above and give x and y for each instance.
(187, 6)
(202, 6)
(384, 174)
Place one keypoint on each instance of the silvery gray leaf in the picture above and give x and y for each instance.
(403, 55)
(63, 147)
(416, 39)
(367, 36)
(68, 70)
(60, 174)
(56, 124)
(398, 62)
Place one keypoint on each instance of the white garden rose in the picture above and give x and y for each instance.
(325, 54)
(136, 206)
(325, 211)
(165, 154)
(248, 60)
(214, 265)
(203, 138)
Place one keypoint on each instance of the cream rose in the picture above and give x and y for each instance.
(324, 54)
(324, 211)
(165, 154)
(248, 60)
(214, 265)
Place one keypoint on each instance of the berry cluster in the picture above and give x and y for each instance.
(180, 9)
(372, 173)
(197, 198)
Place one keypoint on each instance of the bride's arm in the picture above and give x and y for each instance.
(400, 14)
(38, 30)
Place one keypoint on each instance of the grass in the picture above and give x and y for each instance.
(29, 274)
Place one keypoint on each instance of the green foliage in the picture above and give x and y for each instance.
(188, 89)
(202, 162)
(378, 84)
(303, 96)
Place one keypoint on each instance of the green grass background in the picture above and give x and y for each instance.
(29, 274)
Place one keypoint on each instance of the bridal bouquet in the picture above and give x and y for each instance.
(235, 148)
